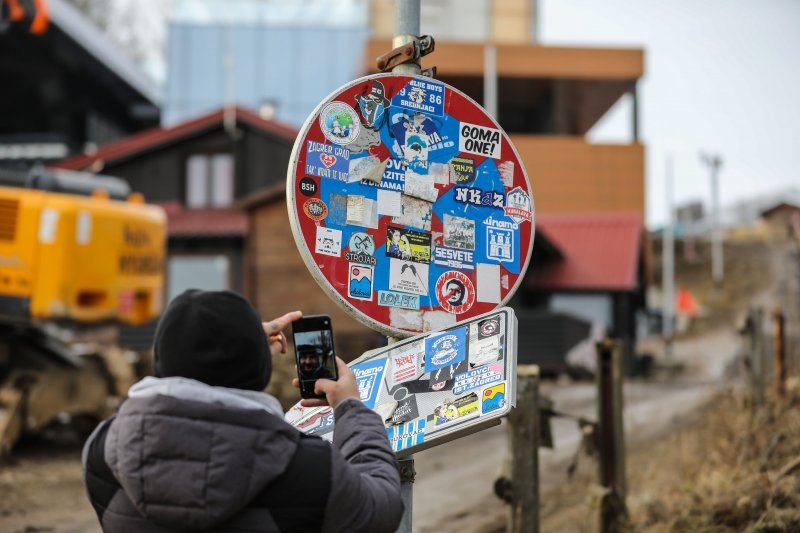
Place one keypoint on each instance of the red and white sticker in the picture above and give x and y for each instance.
(455, 292)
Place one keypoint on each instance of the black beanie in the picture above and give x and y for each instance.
(213, 337)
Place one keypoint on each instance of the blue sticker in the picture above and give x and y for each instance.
(500, 244)
(445, 349)
(479, 197)
(368, 376)
(454, 258)
(406, 435)
(400, 300)
(394, 177)
(327, 160)
(477, 377)
(425, 96)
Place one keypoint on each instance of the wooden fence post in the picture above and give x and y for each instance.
(779, 351)
(524, 427)
(611, 438)
(756, 323)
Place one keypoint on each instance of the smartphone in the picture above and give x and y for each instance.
(314, 355)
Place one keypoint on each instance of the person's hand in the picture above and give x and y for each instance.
(335, 391)
(273, 330)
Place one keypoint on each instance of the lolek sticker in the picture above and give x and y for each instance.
(416, 213)
(407, 435)
(368, 376)
(462, 170)
(478, 377)
(408, 245)
(407, 276)
(421, 186)
(339, 123)
(479, 140)
(445, 349)
(360, 284)
(493, 398)
(459, 232)
(488, 282)
(329, 241)
(398, 299)
(518, 205)
(315, 209)
(455, 292)
(453, 258)
(327, 161)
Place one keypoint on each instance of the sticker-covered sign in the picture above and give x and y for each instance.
(410, 177)
(426, 389)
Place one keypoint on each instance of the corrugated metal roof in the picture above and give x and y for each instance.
(600, 252)
(155, 138)
(230, 222)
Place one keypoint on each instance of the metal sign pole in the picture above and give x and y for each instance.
(406, 30)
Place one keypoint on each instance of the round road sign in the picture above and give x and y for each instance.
(409, 204)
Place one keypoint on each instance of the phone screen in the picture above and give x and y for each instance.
(315, 358)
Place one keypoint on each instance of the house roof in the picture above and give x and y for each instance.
(600, 252)
(182, 222)
(158, 137)
(783, 206)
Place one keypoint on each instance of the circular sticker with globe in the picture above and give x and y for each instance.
(339, 123)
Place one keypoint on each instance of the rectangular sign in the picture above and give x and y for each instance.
(479, 140)
(408, 244)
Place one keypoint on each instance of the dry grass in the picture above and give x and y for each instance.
(721, 472)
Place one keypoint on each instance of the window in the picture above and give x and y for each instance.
(209, 180)
(207, 272)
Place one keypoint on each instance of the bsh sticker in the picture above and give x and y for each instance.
(455, 292)
(445, 349)
(360, 285)
(339, 123)
(315, 209)
(329, 241)
(307, 186)
(408, 435)
(479, 140)
(408, 245)
(327, 161)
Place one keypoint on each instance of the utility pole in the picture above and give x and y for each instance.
(714, 162)
(490, 66)
(668, 268)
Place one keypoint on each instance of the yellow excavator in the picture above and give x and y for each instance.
(80, 255)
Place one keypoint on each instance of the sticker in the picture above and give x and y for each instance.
(404, 364)
(329, 241)
(488, 327)
(459, 232)
(478, 377)
(339, 123)
(479, 197)
(307, 186)
(440, 173)
(368, 376)
(362, 249)
(406, 410)
(408, 435)
(506, 169)
(360, 285)
(487, 279)
(421, 95)
(313, 421)
(337, 209)
(366, 139)
(408, 245)
(436, 320)
(518, 205)
(416, 213)
(327, 161)
(393, 178)
(493, 398)
(452, 258)
(459, 409)
(389, 203)
(373, 105)
(386, 410)
(361, 211)
(445, 349)
(406, 276)
(455, 292)
(361, 169)
(416, 136)
(398, 299)
(482, 351)
(462, 170)
(315, 209)
(438, 377)
(421, 186)
(479, 140)
(407, 319)
(500, 244)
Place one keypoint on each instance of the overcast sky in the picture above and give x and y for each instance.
(720, 75)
